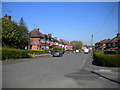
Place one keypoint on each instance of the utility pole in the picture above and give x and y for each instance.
(92, 49)
(92, 43)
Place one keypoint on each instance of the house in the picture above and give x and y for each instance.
(115, 43)
(68, 46)
(39, 41)
(7, 17)
(55, 42)
(102, 45)
(109, 44)
(84, 47)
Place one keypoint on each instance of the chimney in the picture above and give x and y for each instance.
(55, 38)
(118, 35)
(7, 17)
(37, 29)
(61, 40)
(50, 35)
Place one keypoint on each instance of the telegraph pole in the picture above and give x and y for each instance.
(92, 49)
(92, 43)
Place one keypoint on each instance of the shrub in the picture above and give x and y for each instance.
(10, 53)
(30, 51)
(108, 60)
(57, 48)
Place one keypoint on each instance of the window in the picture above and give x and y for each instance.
(114, 44)
(109, 44)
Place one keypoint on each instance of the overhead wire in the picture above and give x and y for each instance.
(105, 20)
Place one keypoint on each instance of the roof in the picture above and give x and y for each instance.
(55, 40)
(104, 41)
(36, 34)
(114, 39)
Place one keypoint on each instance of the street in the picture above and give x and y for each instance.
(53, 72)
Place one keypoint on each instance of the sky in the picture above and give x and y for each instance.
(68, 20)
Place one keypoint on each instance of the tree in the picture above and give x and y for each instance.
(23, 34)
(10, 34)
(76, 45)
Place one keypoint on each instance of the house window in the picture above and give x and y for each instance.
(109, 44)
(114, 44)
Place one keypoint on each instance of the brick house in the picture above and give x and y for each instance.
(69, 46)
(109, 44)
(39, 41)
(102, 45)
(115, 43)
(7, 17)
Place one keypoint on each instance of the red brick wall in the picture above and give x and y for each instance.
(36, 40)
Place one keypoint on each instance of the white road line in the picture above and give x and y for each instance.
(104, 70)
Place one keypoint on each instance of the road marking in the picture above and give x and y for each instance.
(85, 61)
(104, 70)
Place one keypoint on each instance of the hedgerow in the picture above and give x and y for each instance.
(108, 60)
(30, 51)
(10, 53)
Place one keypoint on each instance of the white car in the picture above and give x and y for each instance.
(76, 51)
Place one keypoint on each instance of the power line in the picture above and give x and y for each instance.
(106, 19)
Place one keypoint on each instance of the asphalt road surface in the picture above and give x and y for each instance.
(52, 72)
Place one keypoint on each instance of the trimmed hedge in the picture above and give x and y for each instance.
(108, 60)
(9, 53)
(0, 53)
(58, 48)
(36, 51)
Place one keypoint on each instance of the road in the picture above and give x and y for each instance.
(53, 72)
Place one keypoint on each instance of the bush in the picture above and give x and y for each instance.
(30, 51)
(9, 53)
(108, 60)
(57, 48)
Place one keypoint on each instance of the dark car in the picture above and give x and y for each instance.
(57, 53)
(69, 51)
(47, 51)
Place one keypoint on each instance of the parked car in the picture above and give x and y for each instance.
(69, 51)
(77, 51)
(57, 53)
(47, 51)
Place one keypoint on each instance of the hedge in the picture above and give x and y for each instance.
(0, 53)
(108, 60)
(10, 53)
(58, 48)
(35, 51)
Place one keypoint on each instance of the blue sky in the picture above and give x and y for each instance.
(68, 20)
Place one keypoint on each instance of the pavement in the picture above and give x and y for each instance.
(104, 72)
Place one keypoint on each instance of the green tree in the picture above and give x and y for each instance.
(23, 34)
(10, 34)
(76, 45)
